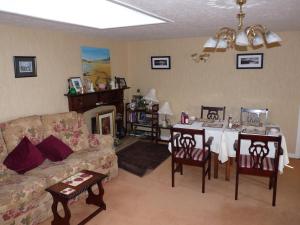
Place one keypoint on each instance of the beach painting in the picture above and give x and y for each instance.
(96, 64)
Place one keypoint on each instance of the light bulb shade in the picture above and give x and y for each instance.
(210, 43)
(272, 37)
(222, 43)
(257, 40)
(165, 109)
(151, 95)
(242, 39)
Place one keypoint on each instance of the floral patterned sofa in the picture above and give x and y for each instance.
(23, 199)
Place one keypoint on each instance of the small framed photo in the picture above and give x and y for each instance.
(161, 62)
(76, 83)
(250, 61)
(120, 82)
(25, 66)
(106, 123)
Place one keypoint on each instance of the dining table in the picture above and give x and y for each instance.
(224, 138)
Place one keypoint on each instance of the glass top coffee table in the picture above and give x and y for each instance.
(70, 188)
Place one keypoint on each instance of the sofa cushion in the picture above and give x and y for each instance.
(54, 172)
(68, 127)
(91, 158)
(14, 131)
(24, 157)
(54, 149)
(18, 189)
(3, 154)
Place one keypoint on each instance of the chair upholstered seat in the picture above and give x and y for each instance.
(246, 161)
(196, 153)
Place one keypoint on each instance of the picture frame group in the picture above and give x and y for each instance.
(25, 66)
(250, 61)
(161, 62)
(105, 122)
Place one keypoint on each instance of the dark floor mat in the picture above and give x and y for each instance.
(142, 156)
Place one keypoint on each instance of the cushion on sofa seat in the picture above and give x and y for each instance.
(54, 149)
(68, 127)
(54, 172)
(91, 158)
(18, 189)
(24, 157)
(14, 131)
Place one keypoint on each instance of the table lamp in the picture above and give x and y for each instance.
(151, 97)
(165, 110)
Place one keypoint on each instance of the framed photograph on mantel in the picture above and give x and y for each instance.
(250, 61)
(161, 62)
(25, 66)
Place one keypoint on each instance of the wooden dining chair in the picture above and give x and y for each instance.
(254, 117)
(257, 161)
(184, 151)
(213, 112)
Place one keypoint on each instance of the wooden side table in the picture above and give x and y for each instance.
(55, 191)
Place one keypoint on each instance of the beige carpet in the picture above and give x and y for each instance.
(151, 200)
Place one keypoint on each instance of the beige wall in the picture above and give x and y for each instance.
(58, 58)
(188, 85)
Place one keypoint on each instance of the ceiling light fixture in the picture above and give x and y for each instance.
(254, 35)
(101, 14)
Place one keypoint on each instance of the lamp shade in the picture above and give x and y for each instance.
(272, 37)
(242, 39)
(222, 43)
(151, 95)
(210, 43)
(257, 40)
(166, 109)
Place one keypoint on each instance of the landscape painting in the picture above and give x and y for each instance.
(96, 64)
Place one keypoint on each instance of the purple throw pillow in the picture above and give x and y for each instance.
(54, 149)
(24, 157)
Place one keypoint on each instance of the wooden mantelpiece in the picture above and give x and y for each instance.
(84, 102)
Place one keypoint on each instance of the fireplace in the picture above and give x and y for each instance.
(101, 120)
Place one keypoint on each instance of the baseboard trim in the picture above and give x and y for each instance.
(294, 156)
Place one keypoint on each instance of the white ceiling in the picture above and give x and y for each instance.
(191, 18)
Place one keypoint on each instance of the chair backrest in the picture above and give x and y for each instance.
(213, 112)
(254, 117)
(259, 149)
(185, 140)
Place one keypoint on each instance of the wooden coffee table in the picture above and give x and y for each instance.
(55, 191)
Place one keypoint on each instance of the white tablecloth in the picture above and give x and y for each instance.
(224, 140)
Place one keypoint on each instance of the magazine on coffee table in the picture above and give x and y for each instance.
(77, 179)
(67, 191)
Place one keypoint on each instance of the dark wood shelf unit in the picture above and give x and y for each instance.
(136, 124)
(84, 102)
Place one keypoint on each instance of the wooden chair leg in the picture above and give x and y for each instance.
(227, 175)
(181, 169)
(209, 167)
(173, 171)
(271, 182)
(274, 190)
(216, 165)
(203, 178)
(236, 185)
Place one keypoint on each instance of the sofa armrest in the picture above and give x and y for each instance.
(101, 141)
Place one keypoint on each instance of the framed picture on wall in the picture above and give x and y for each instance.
(25, 66)
(106, 123)
(250, 61)
(161, 62)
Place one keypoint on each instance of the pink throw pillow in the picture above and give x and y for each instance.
(54, 149)
(24, 157)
